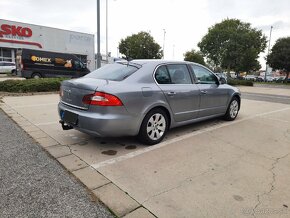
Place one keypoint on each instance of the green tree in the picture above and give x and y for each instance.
(140, 46)
(194, 56)
(233, 45)
(279, 58)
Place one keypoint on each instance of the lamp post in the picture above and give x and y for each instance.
(268, 53)
(164, 31)
(98, 36)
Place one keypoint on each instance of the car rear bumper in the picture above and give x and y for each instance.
(102, 125)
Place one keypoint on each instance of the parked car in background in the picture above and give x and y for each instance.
(269, 79)
(7, 67)
(250, 77)
(280, 79)
(259, 79)
(240, 77)
(145, 98)
(275, 79)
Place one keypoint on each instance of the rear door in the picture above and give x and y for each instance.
(213, 96)
(182, 95)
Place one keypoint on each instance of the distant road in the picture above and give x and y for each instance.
(266, 97)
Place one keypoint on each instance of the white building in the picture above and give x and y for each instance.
(16, 35)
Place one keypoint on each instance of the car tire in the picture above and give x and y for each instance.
(233, 109)
(13, 72)
(154, 127)
(36, 76)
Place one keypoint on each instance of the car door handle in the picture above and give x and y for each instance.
(171, 93)
(203, 92)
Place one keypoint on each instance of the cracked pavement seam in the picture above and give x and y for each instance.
(274, 164)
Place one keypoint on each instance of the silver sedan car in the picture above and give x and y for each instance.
(145, 98)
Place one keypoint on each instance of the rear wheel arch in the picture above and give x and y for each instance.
(162, 108)
(152, 131)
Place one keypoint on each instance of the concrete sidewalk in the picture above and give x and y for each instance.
(4, 77)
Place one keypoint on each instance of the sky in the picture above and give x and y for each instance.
(184, 21)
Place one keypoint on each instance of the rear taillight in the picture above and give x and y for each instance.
(102, 99)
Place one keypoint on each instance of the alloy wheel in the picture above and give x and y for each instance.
(156, 126)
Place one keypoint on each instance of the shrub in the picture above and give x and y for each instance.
(31, 85)
(240, 82)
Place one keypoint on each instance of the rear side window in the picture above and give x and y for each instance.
(162, 75)
(115, 72)
(173, 74)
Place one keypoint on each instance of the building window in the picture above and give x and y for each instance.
(5, 54)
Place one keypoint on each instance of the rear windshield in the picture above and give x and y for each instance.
(115, 72)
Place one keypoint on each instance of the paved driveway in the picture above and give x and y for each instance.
(212, 169)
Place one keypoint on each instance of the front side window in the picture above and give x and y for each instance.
(173, 74)
(203, 75)
(115, 72)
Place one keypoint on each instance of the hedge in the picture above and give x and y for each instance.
(31, 85)
(240, 82)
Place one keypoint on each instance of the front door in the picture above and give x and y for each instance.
(213, 96)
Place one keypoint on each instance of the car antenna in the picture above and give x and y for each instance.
(128, 60)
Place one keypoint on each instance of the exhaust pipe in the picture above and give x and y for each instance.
(65, 126)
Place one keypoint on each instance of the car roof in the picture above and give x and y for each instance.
(156, 62)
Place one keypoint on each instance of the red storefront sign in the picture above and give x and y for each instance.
(13, 30)
(16, 31)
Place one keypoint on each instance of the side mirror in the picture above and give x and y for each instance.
(222, 81)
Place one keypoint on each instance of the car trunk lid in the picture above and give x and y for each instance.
(73, 91)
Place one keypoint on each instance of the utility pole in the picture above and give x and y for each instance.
(164, 31)
(268, 53)
(98, 36)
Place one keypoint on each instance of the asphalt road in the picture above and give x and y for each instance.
(32, 184)
(266, 97)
